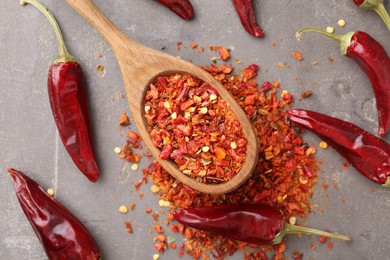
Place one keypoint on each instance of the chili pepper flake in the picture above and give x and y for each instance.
(124, 120)
(128, 226)
(224, 53)
(297, 55)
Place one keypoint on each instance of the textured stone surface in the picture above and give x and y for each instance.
(29, 140)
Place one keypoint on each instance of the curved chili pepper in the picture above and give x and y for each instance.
(244, 9)
(373, 59)
(252, 223)
(377, 6)
(69, 103)
(369, 154)
(61, 234)
(182, 8)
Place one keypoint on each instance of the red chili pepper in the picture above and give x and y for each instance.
(375, 62)
(255, 224)
(245, 11)
(369, 154)
(377, 6)
(182, 8)
(61, 234)
(69, 103)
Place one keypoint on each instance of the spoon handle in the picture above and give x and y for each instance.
(111, 33)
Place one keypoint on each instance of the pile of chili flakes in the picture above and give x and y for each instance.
(284, 175)
(194, 127)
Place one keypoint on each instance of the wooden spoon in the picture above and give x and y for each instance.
(140, 66)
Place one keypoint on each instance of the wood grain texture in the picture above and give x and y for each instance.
(140, 65)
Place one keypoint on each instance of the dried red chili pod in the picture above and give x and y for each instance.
(255, 224)
(182, 8)
(244, 9)
(377, 6)
(373, 59)
(369, 154)
(69, 103)
(61, 234)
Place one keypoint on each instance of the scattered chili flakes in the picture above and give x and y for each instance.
(313, 245)
(224, 53)
(297, 55)
(194, 45)
(124, 120)
(330, 59)
(330, 245)
(280, 64)
(306, 94)
(128, 226)
(158, 228)
(277, 177)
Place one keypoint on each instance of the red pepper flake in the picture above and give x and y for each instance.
(201, 49)
(330, 59)
(313, 245)
(297, 55)
(330, 245)
(325, 186)
(132, 206)
(194, 45)
(224, 53)
(296, 255)
(148, 211)
(158, 228)
(306, 94)
(124, 120)
(160, 238)
(174, 228)
(178, 45)
(280, 64)
(173, 245)
(129, 229)
(155, 216)
(322, 239)
(346, 165)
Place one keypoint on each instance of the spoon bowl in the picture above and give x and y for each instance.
(139, 66)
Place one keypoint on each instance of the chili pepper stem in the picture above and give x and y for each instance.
(379, 8)
(343, 40)
(387, 183)
(293, 229)
(64, 55)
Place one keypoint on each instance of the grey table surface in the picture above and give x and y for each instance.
(29, 139)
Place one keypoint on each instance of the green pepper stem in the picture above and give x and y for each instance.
(379, 8)
(293, 229)
(343, 40)
(64, 55)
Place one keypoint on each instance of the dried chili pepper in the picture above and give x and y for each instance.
(255, 224)
(369, 154)
(373, 59)
(69, 103)
(245, 11)
(182, 8)
(61, 234)
(377, 6)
